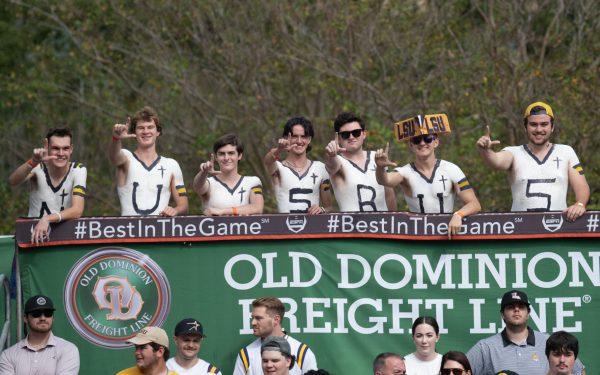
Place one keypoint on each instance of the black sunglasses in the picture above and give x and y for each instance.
(452, 371)
(427, 138)
(355, 133)
(38, 313)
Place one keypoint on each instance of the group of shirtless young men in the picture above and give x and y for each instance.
(540, 173)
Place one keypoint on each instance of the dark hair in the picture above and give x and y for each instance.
(302, 121)
(426, 320)
(345, 118)
(59, 132)
(317, 372)
(456, 356)
(562, 342)
(146, 114)
(155, 348)
(538, 110)
(228, 139)
(273, 305)
(379, 361)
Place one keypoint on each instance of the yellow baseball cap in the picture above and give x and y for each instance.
(543, 105)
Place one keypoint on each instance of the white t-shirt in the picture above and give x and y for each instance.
(147, 188)
(45, 198)
(249, 360)
(541, 185)
(200, 368)
(433, 195)
(359, 191)
(414, 366)
(221, 196)
(297, 193)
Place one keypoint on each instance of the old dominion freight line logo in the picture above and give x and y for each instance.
(113, 292)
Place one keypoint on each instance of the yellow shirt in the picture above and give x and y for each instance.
(136, 371)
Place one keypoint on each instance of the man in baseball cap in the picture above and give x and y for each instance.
(277, 358)
(188, 337)
(517, 348)
(540, 172)
(54, 355)
(151, 352)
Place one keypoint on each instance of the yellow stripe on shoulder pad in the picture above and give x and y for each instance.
(301, 353)
(257, 190)
(244, 358)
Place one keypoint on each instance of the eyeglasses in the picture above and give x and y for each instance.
(355, 133)
(38, 313)
(452, 371)
(427, 138)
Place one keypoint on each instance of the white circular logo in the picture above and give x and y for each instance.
(112, 293)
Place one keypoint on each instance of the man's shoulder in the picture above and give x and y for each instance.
(64, 343)
(168, 160)
(514, 149)
(295, 342)
(78, 167)
(254, 344)
(12, 350)
(130, 371)
(493, 340)
(253, 180)
(563, 148)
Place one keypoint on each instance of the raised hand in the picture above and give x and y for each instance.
(485, 142)
(121, 131)
(284, 144)
(333, 147)
(382, 158)
(209, 166)
(41, 154)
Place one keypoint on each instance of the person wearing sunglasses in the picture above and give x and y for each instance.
(430, 185)
(455, 363)
(352, 169)
(40, 352)
(301, 185)
(540, 172)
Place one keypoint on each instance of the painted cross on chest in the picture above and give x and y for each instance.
(557, 160)
(162, 171)
(63, 196)
(314, 177)
(443, 179)
(242, 191)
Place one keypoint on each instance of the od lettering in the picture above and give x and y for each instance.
(306, 271)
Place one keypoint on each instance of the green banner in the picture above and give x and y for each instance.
(7, 251)
(348, 299)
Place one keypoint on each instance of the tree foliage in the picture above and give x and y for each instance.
(211, 67)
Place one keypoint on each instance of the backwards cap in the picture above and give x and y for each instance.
(543, 105)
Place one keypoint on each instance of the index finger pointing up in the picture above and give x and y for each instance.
(487, 131)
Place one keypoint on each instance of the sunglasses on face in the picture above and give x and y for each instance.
(355, 133)
(452, 371)
(427, 138)
(38, 313)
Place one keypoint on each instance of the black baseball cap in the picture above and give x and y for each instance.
(38, 302)
(506, 372)
(189, 326)
(278, 344)
(512, 297)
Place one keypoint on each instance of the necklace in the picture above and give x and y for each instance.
(295, 167)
